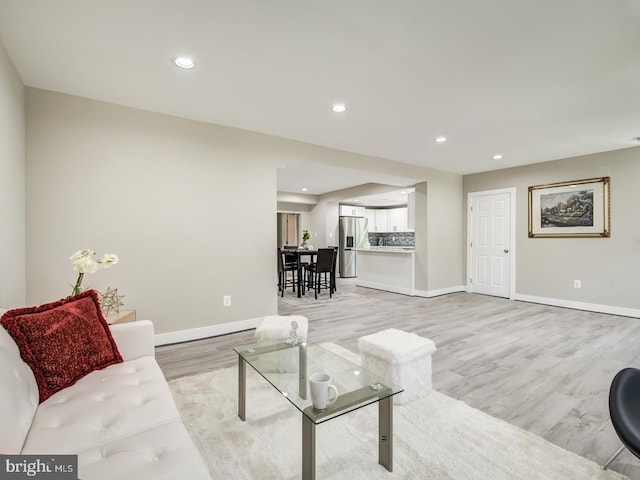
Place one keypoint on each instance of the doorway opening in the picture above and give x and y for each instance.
(288, 227)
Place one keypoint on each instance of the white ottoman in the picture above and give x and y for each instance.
(401, 357)
(277, 328)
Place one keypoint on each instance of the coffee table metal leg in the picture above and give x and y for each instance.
(308, 449)
(242, 387)
(302, 370)
(385, 432)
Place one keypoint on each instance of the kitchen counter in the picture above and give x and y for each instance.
(388, 249)
(387, 268)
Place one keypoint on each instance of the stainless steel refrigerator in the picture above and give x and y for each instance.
(353, 235)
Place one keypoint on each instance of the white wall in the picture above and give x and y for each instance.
(12, 185)
(607, 267)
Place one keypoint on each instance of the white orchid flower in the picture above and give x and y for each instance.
(83, 262)
(81, 254)
(109, 259)
(86, 265)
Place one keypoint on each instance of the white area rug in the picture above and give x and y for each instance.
(435, 437)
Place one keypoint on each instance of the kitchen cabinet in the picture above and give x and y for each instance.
(388, 219)
(351, 211)
(397, 220)
(370, 215)
(380, 220)
(376, 219)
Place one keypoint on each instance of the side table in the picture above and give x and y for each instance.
(121, 316)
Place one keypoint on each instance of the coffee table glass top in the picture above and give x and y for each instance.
(287, 365)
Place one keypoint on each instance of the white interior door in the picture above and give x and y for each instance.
(491, 238)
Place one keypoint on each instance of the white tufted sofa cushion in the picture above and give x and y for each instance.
(106, 405)
(165, 452)
(18, 396)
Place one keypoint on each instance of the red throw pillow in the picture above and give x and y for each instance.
(62, 341)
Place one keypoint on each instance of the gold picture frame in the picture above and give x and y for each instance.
(579, 208)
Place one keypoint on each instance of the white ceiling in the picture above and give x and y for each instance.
(319, 179)
(394, 198)
(534, 80)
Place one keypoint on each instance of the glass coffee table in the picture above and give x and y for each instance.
(286, 365)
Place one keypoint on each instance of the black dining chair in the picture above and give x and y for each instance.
(325, 264)
(290, 258)
(624, 410)
(333, 273)
(283, 273)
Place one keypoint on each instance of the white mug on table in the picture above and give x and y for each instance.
(320, 384)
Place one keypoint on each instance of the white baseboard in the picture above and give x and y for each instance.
(385, 287)
(591, 307)
(409, 291)
(439, 291)
(205, 332)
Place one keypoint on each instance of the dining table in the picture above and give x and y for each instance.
(299, 253)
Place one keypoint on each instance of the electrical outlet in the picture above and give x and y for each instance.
(226, 300)
(577, 284)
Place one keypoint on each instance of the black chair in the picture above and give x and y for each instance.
(333, 274)
(283, 273)
(290, 258)
(324, 265)
(624, 410)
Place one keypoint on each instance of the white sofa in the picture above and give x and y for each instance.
(121, 421)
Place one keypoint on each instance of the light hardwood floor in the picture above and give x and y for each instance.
(544, 369)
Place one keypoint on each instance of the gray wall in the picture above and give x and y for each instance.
(445, 219)
(607, 267)
(189, 207)
(438, 227)
(421, 208)
(12, 185)
(175, 199)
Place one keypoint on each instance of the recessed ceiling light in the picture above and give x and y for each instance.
(497, 156)
(339, 107)
(356, 199)
(403, 193)
(183, 62)
(305, 189)
(441, 139)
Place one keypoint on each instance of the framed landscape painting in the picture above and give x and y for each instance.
(570, 209)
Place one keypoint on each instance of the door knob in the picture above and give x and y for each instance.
(506, 250)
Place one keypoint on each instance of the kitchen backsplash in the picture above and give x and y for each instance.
(393, 239)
